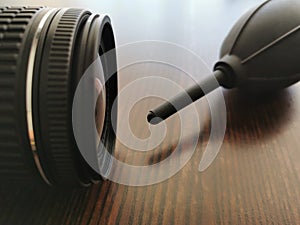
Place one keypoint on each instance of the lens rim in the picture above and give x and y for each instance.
(97, 40)
(67, 167)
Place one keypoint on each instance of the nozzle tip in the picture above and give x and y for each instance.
(153, 119)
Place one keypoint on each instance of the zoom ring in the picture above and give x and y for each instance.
(14, 23)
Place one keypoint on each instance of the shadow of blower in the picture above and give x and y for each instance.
(257, 117)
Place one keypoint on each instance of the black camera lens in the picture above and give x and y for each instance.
(44, 53)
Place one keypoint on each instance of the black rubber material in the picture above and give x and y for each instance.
(260, 54)
(262, 49)
(16, 161)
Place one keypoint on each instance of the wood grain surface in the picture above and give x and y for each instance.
(254, 180)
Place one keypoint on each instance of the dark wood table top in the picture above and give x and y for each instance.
(255, 178)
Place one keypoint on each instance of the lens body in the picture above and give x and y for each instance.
(44, 53)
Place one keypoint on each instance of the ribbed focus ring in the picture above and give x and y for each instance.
(57, 98)
(14, 22)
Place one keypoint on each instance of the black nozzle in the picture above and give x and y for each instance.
(185, 98)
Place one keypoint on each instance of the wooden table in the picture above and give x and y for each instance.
(254, 180)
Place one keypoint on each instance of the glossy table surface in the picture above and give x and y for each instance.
(255, 178)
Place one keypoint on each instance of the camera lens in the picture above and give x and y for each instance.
(44, 53)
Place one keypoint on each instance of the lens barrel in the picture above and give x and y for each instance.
(44, 53)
